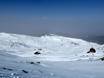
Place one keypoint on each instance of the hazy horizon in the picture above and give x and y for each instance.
(68, 17)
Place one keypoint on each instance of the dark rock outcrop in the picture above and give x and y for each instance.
(102, 59)
(37, 53)
(24, 71)
(92, 50)
(7, 69)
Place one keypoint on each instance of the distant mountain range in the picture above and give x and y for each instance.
(97, 39)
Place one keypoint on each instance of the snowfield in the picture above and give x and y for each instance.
(60, 57)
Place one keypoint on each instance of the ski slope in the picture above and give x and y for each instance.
(51, 47)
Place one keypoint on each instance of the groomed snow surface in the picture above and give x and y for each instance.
(60, 57)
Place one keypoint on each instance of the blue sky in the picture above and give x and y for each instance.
(76, 17)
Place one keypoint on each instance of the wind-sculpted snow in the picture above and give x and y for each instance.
(51, 47)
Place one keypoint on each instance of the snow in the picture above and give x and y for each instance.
(49, 69)
(53, 47)
(61, 57)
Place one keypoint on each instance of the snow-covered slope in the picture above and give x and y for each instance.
(17, 58)
(51, 47)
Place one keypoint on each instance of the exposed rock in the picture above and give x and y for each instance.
(24, 71)
(32, 63)
(38, 62)
(7, 69)
(37, 53)
(92, 50)
(102, 59)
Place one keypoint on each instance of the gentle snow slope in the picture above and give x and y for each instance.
(51, 47)
(11, 66)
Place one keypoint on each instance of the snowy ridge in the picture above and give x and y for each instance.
(51, 47)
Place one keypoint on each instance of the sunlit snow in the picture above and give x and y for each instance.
(58, 57)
